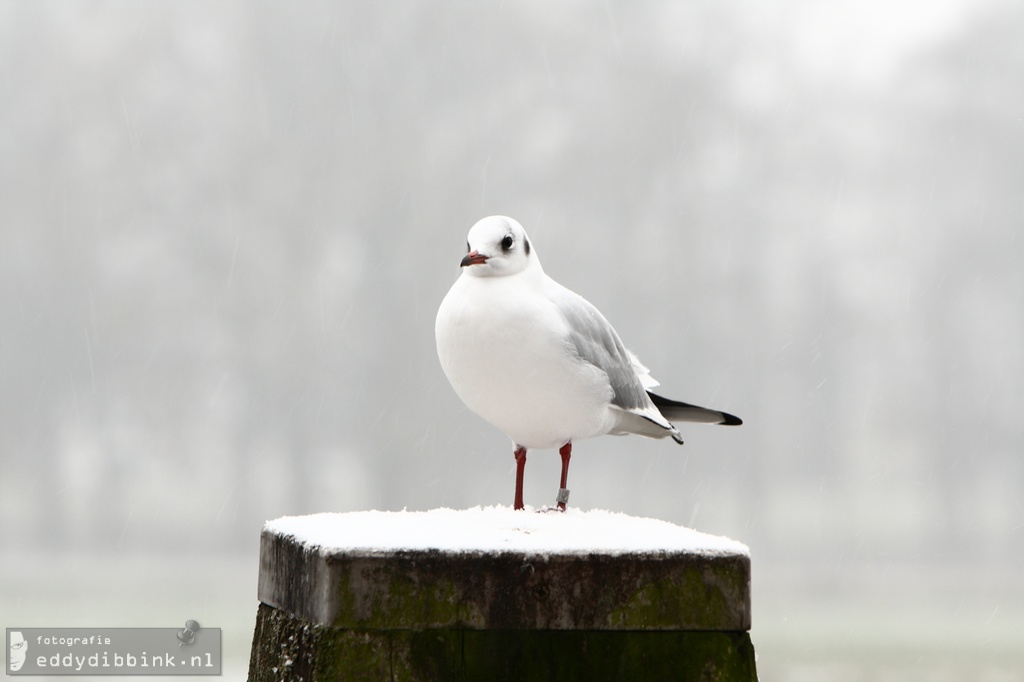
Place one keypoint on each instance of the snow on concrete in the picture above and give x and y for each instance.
(498, 529)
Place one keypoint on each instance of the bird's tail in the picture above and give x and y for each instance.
(676, 411)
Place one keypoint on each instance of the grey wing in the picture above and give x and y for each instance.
(595, 341)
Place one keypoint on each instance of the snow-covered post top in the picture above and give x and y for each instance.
(351, 589)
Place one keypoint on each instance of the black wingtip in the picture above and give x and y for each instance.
(676, 410)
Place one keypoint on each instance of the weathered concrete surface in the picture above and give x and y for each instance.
(287, 648)
(432, 589)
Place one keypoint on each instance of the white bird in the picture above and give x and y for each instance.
(538, 361)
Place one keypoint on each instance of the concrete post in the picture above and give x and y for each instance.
(515, 600)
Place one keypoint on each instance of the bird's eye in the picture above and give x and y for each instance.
(507, 242)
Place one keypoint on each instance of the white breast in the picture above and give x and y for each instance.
(503, 346)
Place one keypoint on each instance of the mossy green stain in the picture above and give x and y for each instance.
(677, 601)
(404, 595)
(397, 601)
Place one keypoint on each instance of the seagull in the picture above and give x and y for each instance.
(539, 362)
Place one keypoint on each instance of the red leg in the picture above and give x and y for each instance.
(565, 451)
(520, 468)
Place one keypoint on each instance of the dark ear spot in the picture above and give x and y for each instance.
(526, 245)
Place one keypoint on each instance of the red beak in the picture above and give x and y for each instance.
(473, 258)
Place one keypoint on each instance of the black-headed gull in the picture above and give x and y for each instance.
(538, 361)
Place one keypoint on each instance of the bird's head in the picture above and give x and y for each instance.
(497, 246)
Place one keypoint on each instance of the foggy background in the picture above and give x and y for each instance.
(225, 229)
